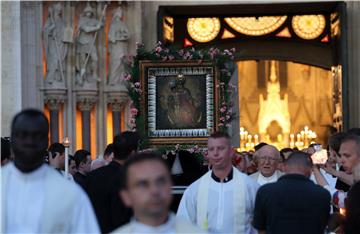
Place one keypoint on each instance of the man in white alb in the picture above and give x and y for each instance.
(147, 190)
(35, 197)
(268, 158)
(222, 200)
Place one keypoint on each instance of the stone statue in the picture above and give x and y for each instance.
(55, 46)
(118, 36)
(86, 52)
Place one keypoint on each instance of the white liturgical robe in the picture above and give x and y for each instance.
(171, 226)
(43, 201)
(222, 217)
(261, 180)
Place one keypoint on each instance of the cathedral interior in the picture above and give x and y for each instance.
(288, 108)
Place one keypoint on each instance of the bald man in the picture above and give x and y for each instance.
(294, 204)
(268, 158)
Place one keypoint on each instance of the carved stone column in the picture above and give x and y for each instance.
(117, 102)
(54, 99)
(86, 102)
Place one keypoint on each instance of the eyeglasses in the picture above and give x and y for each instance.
(271, 159)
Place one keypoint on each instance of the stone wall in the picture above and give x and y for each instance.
(11, 91)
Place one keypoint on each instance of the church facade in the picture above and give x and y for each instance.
(66, 58)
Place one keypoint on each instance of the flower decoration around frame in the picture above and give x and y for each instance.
(223, 59)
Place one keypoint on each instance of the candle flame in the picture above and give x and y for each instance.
(66, 142)
(342, 211)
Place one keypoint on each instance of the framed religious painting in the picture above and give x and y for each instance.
(180, 100)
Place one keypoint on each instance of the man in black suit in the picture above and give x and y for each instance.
(293, 204)
(82, 162)
(103, 185)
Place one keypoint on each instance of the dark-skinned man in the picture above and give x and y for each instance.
(35, 197)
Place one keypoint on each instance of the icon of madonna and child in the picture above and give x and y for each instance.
(181, 102)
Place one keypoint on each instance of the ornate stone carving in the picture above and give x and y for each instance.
(86, 102)
(117, 100)
(86, 52)
(54, 99)
(118, 36)
(56, 48)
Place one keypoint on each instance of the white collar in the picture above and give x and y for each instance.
(167, 227)
(34, 175)
(273, 177)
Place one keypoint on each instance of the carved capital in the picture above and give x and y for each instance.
(54, 99)
(116, 107)
(86, 102)
(117, 100)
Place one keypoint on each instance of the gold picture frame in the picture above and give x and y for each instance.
(179, 101)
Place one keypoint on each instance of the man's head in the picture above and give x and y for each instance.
(259, 146)
(97, 163)
(285, 153)
(29, 139)
(268, 158)
(72, 165)
(109, 153)
(57, 158)
(239, 161)
(82, 161)
(298, 162)
(350, 152)
(334, 145)
(219, 151)
(125, 144)
(147, 185)
(335, 141)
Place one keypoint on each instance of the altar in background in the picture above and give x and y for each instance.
(286, 104)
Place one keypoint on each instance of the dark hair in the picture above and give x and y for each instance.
(352, 204)
(71, 158)
(299, 158)
(353, 137)
(220, 135)
(109, 149)
(141, 157)
(354, 131)
(335, 141)
(56, 148)
(5, 149)
(260, 145)
(283, 151)
(31, 113)
(124, 144)
(80, 156)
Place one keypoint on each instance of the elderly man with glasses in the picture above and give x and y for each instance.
(268, 158)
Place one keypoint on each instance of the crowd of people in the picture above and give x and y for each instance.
(126, 191)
